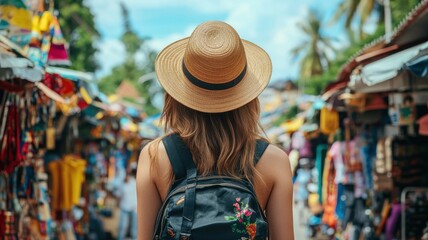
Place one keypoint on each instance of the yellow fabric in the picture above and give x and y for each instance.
(85, 95)
(55, 173)
(293, 125)
(67, 177)
(326, 173)
(329, 121)
(18, 17)
(71, 104)
(73, 177)
(36, 24)
(50, 138)
(113, 98)
(46, 21)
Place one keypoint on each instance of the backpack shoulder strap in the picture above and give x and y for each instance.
(261, 146)
(179, 155)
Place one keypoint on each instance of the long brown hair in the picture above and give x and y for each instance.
(219, 142)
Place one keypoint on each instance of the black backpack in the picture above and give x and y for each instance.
(211, 207)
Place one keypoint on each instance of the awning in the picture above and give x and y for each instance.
(412, 30)
(13, 66)
(389, 67)
(419, 64)
(71, 74)
(332, 89)
(29, 74)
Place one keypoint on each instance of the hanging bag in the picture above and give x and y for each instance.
(382, 176)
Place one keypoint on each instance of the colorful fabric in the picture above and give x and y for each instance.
(58, 54)
(17, 15)
(41, 36)
(329, 194)
(423, 125)
(329, 121)
(321, 153)
(67, 179)
(336, 153)
(392, 222)
(55, 173)
(73, 178)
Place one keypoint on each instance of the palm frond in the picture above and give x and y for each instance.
(298, 50)
(366, 9)
(341, 10)
(353, 8)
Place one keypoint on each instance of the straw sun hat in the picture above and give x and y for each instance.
(213, 70)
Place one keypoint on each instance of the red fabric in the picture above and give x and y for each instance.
(82, 104)
(60, 85)
(9, 87)
(58, 53)
(49, 80)
(423, 125)
(65, 87)
(11, 155)
(2, 224)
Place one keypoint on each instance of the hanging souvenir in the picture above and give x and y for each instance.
(57, 53)
(40, 38)
(329, 121)
(402, 109)
(50, 136)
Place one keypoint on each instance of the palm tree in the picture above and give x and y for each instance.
(357, 9)
(314, 48)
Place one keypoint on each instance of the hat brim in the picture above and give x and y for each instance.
(170, 75)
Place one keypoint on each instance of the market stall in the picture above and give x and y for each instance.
(65, 148)
(368, 179)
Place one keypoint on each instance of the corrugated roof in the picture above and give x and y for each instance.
(397, 38)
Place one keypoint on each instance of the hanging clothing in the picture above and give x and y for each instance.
(321, 154)
(354, 166)
(54, 169)
(336, 153)
(73, 177)
(67, 176)
(329, 193)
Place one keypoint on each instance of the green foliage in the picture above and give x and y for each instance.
(315, 85)
(359, 10)
(131, 70)
(400, 9)
(78, 26)
(314, 48)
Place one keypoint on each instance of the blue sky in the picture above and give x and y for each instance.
(271, 24)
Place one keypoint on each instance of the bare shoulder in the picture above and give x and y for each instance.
(274, 162)
(274, 156)
(154, 159)
(154, 152)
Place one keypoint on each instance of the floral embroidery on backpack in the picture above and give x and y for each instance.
(242, 220)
